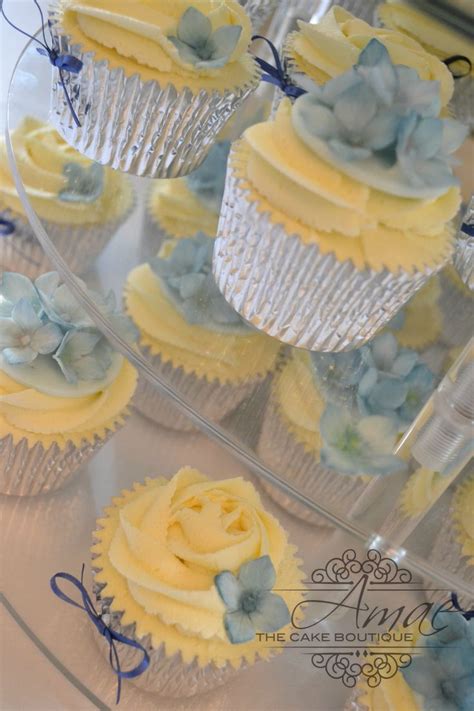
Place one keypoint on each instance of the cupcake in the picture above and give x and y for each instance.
(158, 82)
(325, 50)
(195, 341)
(185, 206)
(186, 567)
(333, 421)
(63, 390)
(436, 675)
(339, 210)
(453, 547)
(80, 204)
(419, 324)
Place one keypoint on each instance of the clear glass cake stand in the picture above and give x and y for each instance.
(44, 535)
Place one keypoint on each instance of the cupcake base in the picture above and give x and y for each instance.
(78, 245)
(137, 127)
(293, 292)
(279, 450)
(29, 471)
(167, 676)
(212, 399)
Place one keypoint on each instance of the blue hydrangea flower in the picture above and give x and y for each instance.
(208, 181)
(338, 373)
(187, 279)
(24, 336)
(83, 355)
(251, 606)
(60, 304)
(199, 45)
(358, 446)
(396, 383)
(383, 111)
(444, 674)
(84, 184)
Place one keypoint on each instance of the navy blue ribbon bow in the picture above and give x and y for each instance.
(468, 228)
(7, 227)
(277, 75)
(63, 62)
(467, 614)
(110, 635)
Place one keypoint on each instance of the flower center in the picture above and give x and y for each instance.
(25, 340)
(249, 601)
(349, 441)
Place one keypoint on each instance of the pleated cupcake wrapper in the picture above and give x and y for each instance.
(293, 292)
(168, 676)
(462, 102)
(212, 399)
(464, 259)
(458, 313)
(446, 554)
(153, 235)
(137, 127)
(79, 245)
(282, 453)
(259, 11)
(28, 471)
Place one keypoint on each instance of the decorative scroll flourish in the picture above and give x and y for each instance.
(378, 568)
(375, 666)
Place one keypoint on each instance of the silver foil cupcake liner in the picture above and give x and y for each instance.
(282, 453)
(464, 249)
(294, 293)
(78, 245)
(134, 126)
(259, 11)
(212, 399)
(29, 471)
(166, 676)
(457, 308)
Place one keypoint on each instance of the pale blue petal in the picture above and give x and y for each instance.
(384, 350)
(194, 27)
(18, 356)
(25, 316)
(331, 91)
(187, 53)
(380, 433)
(454, 134)
(47, 283)
(382, 130)
(10, 333)
(347, 152)
(323, 123)
(427, 138)
(272, 615)
(422, 677)
(367, 382)
(239, 627)
(225, 40)
(387, 395)
(404, 363)
(229, 589)
(355, 108)
(47, 338)
(375, 53)
(258, 574)
(334, 421)
(16, 286)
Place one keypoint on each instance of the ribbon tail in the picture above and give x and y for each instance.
(68, 99)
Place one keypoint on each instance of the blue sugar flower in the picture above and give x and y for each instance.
(187, 279)
(24, 336)
(396, 383)
(423, 148)
(83, 184)
(14, 287)
(358, 446)
(251, 607)
(208, 181)
(60, 304)
(444, 674)
(199, 45)
(83, 355)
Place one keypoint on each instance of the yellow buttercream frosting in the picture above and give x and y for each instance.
(226, 357)
(423, 320)
(331, 47)
(134, 36)
(436, 37)
(41, 155)
(317, 202)
(178, 211)
(160, 546)
(27, 413)
(299, 403)
(421, 491)
(463, 506)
